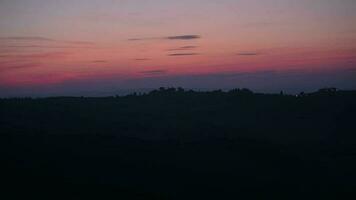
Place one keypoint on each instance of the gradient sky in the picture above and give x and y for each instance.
(101, 47)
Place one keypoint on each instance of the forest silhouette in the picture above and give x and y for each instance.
(173, 143)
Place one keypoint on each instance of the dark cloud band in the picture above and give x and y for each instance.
(248, 54)
(154, 72)
(183, 48)
(183, 54)
(176, 37)
(184, 37)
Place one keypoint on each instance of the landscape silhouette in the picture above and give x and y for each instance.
(173, 143)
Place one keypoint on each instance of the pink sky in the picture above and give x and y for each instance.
(115, 43)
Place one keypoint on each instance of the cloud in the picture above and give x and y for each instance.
(137, 39)
(18, 66)
(154, 72)
(176, 37)
(45, 46)
(49, 55)
(188, 47)
(248, 54)
(183, 54)
(183, 48)
(142, 59)
(43, 39)
(184, 37)
(27, 38)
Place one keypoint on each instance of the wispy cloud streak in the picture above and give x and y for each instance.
(177, 37)
(19, 66)
(28, 38)
(142, 59)
(42, 39)
(183, 54)
(184, 37)
(183, 48)
(45, 47)
(248, 54)
(154, 72)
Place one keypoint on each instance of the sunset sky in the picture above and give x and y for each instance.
(102, 47)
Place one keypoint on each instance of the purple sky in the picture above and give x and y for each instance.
(102, 47)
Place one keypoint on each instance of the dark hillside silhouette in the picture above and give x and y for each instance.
(173, 143)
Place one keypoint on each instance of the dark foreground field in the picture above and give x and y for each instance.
(175, 144)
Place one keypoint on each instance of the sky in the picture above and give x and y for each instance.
(104, 47)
